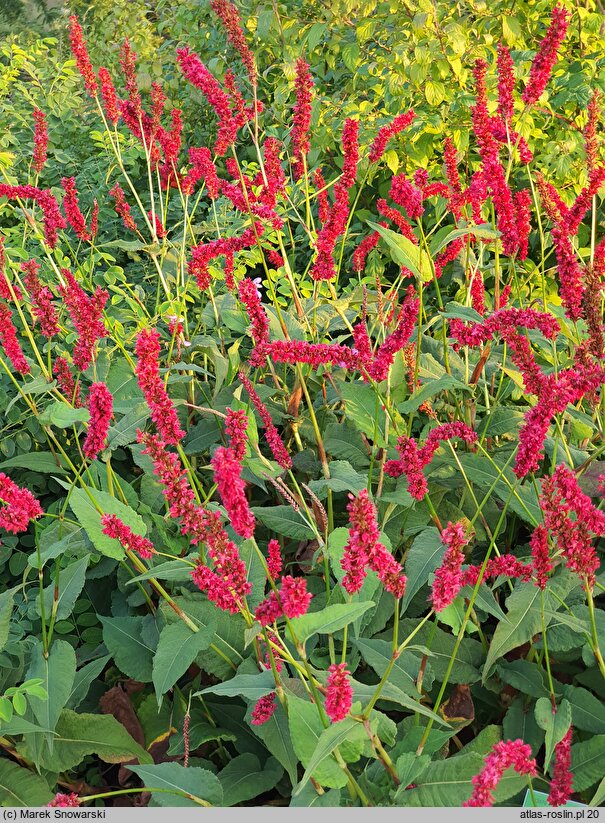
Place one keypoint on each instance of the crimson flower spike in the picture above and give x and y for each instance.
(545, 59)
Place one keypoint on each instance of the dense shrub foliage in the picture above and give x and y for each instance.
(302, 398)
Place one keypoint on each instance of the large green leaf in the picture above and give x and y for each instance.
(62, 415)
(284, 520)
(343, 441)
(20, 787)
(441, 644)
(275, 734)
(42, 462)
(78, 735)
(305, 730)
(177, 779)
(71, 583)
(364, 410)
(345, 731)
(132, 655)
(405, 253)
(243, 778)
(84, 678)
(328, 620)
(250, 686)
(430, 389)
(587, 711)
(523, 620)
(556, 725)
(6, 610)
(448, 783)
(424, 556)
(57, 673)
(177, 649)
(525, 676)
(90, 519)
(588, 762)
(378, 653)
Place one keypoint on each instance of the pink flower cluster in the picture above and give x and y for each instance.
(65, 381)
(10, 341)
(259, 322)
(100, 406)
(116, 528)
(412, 459)
(276, 444)
(227, 584)
(41, 299)
(448, 577)
(163, 412)
(301, 120)
(385, 133)
(545, 59)
(562, 781)
(122, 208)
(75, 218)
(339, 693)
(227, 466)
(202, 254)
(65, 800)
(40, 141)
(562, 497)
(292, 600)
(80, 52)
(52, 218)
(230, 19)
(200, 77)
(264, 709)
(20, 506)
(364, 550)
(504, 755)
(86, 312)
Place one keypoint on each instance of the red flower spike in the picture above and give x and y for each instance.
(114, 527)
(264, 709)
(339, 695)
(163, 412)
(40, 141)
(75, 218)
(100, 406)
(562, 781)
(504, 755)
(301, 120)
(80, 52)
(545, 59)
(230, 19)
(20, 506)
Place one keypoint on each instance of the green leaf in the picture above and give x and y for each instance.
(125, 430)
(430, 389)
(62, 415)
(588, 762)
(522, 622)
(335, 735)
(177, 649)
(520, 722)
(42, 462)
(441, 644)
(250, 686)
(315, 35)
(409, 766)
(434, 91)
(405, 253)
(243, 778)
(83, 680)
(448, 783)
(364, 411)
(284, 520)
(275, 734)
(90, 519)
(599, 795)
(328, 620)
(71, 583)
(6, 610)
(344, 442)
(192, 780)
(365, 692)
(587, 712)
(522, 675)
(485, 232)
(78, 735)
(57, 673)
(555, 725)
(343, 478)
(378, 654)
(20, 787)
(424, 556)
(122, 636)
(170, 570)
(305, 730)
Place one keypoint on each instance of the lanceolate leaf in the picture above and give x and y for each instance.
(22, 787)
(199, 783)
(329, 740)
(177, 649)
(328, 620)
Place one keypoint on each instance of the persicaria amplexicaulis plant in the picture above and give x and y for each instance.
(328, 434)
